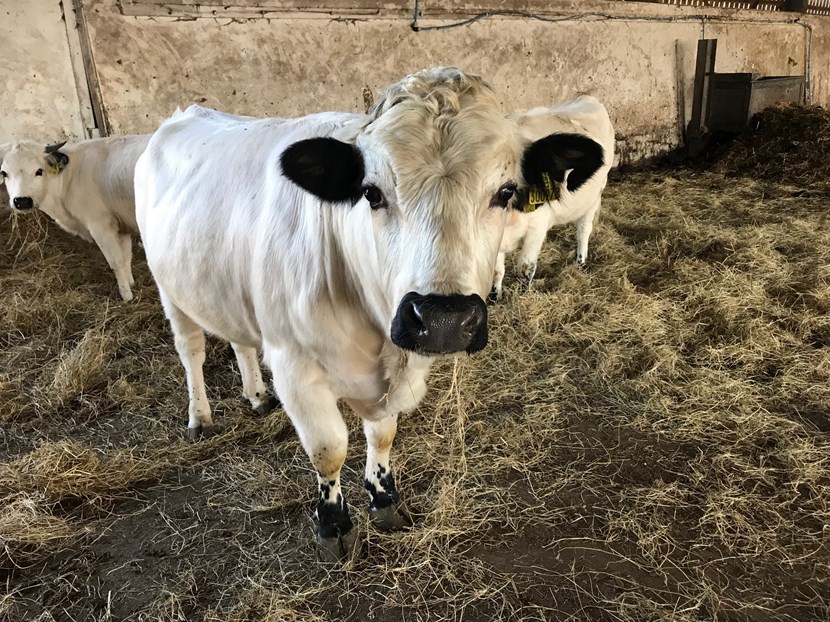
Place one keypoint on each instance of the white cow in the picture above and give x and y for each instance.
(86, 187)
(4, 195)
(577, 199)
(351, 248)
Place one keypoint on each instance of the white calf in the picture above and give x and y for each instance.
(86, 187)
(351, 248)
(575, 198)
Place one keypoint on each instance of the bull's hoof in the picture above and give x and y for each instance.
(494, 296)
(269, 404)
(201, 431)
(338, 548)
(392, 517)
(526, 273)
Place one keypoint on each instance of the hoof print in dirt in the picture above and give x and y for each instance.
(391, 518)
(271, 403)
(338, 548)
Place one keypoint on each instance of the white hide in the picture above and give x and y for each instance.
(92, 196)
(586, 116)
(239, 250)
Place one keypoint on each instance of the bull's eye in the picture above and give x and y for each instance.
(3, 174)
(39, 172)
(374, 196)
(504, 194)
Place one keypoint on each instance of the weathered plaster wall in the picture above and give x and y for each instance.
(292, 64)
(39, 99)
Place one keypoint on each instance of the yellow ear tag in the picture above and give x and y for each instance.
(54, 170)
(539, 196)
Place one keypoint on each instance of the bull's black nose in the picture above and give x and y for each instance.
(437, 324)
(23, 203)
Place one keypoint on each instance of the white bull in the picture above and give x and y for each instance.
(86, 187)
(351, 248)
(576, 200)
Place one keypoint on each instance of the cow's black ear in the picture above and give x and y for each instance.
(55, 158)
(326, 167)
(556, 154)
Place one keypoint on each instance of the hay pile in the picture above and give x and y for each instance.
(786, 143)
(644, 441)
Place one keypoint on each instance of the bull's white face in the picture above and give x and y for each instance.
(438, 190)
(437, 167)
(27, 172)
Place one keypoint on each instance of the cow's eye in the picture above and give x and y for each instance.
(504, 194)
(39, 172)
(374, 196)
(3, 174)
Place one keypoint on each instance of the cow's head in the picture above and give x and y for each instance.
(26, 170)
(437, 168)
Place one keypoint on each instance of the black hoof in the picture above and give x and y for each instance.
(271, 403)
(338, 548)
(493, 296)
(391, 518)
(202, 431)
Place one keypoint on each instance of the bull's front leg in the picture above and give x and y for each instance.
(498, 279)
(386, 510)
(584, 226)
(312, 408)
(106, 236)
(532, 245)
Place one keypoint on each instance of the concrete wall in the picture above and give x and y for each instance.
(40, 98)
(275, 59)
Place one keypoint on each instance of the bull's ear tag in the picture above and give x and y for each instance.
(53, 170)
(539, 196)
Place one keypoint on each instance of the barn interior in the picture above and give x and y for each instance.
(645, 439)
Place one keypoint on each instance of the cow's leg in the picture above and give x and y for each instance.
(531, 247)
(106, 236)
(312, 408)
(498, 279)
(127, 254)
(190, 344)
(584, 226)
(253, 387)
(385, 508)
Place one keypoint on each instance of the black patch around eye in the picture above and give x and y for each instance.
(3, 174)
(374, 196)
(39, 172)
(504, 195)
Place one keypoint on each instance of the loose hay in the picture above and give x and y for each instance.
(646, 440)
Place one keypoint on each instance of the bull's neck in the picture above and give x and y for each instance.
(354, 249)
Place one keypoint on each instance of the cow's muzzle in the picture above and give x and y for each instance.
(436, 324)
(23, 203)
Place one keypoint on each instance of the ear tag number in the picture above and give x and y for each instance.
(539, 196)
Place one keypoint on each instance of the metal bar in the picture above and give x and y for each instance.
(704, 68)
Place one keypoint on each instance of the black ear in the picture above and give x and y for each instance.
(326, 167)
(56, 159)
(554, 155)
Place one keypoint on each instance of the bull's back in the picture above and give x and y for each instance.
(213, 209)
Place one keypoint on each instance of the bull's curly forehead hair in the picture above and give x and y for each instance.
(438, 89)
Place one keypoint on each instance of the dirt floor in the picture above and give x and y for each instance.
(645, 440)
